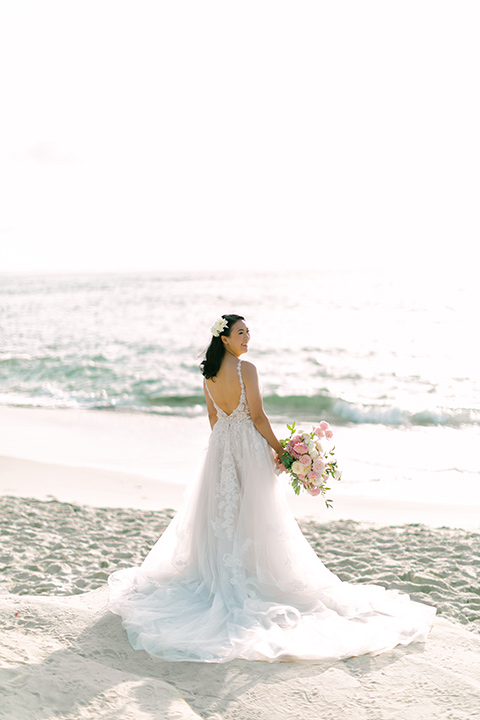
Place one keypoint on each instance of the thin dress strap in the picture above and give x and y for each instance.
(210, 394)
(242, 407)
(239, 370)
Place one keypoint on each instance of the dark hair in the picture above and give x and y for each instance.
(216, 350)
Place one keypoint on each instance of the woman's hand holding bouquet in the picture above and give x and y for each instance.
(309, 461)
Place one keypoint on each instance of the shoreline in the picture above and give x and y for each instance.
(143, 461)
(101, 488)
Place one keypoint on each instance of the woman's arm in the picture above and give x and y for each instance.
(255, 403)
(212, 413)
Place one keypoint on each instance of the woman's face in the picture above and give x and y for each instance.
(237, 342)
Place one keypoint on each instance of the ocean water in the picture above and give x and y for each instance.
(350, 347)
(390, 361)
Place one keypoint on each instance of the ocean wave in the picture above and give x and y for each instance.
(280, 408)
(341, 411)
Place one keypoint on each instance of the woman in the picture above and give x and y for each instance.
(233, 576)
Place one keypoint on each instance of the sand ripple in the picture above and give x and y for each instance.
(54, 548)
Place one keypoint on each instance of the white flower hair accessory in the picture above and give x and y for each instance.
(219, 327)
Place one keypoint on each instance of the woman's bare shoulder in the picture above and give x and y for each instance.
(249, 371)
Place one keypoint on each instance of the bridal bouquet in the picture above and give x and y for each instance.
(309, 461)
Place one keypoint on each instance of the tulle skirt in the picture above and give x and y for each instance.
(234, 577)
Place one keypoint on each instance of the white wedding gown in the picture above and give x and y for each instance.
(234, 577)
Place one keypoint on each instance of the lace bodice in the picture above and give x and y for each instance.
(242, 411)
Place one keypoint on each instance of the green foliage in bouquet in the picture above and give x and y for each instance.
(308, 463)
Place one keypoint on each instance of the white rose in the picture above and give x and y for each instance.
(313, 453)
(319, 446)
(298, 468)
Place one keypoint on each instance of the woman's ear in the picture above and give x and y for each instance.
(224, 339)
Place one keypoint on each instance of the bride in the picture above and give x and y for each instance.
(233, 576)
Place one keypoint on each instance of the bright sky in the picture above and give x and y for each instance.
(164, 135)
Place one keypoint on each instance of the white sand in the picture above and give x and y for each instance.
(67, 657)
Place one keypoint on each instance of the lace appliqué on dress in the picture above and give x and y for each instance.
(227, 491)
(228, 496)
(238, 573)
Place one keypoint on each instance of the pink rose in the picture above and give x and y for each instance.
(312, 476)
(328, 434)
(319, 432)
(319, 465)
(324, 425)
(295, 439)
(306, 460)
(314, 491)
(300, 448)
(290, 448)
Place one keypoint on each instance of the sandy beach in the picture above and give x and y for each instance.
(68, 658)
(65, 527)
(169, 170)
(117, 459)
